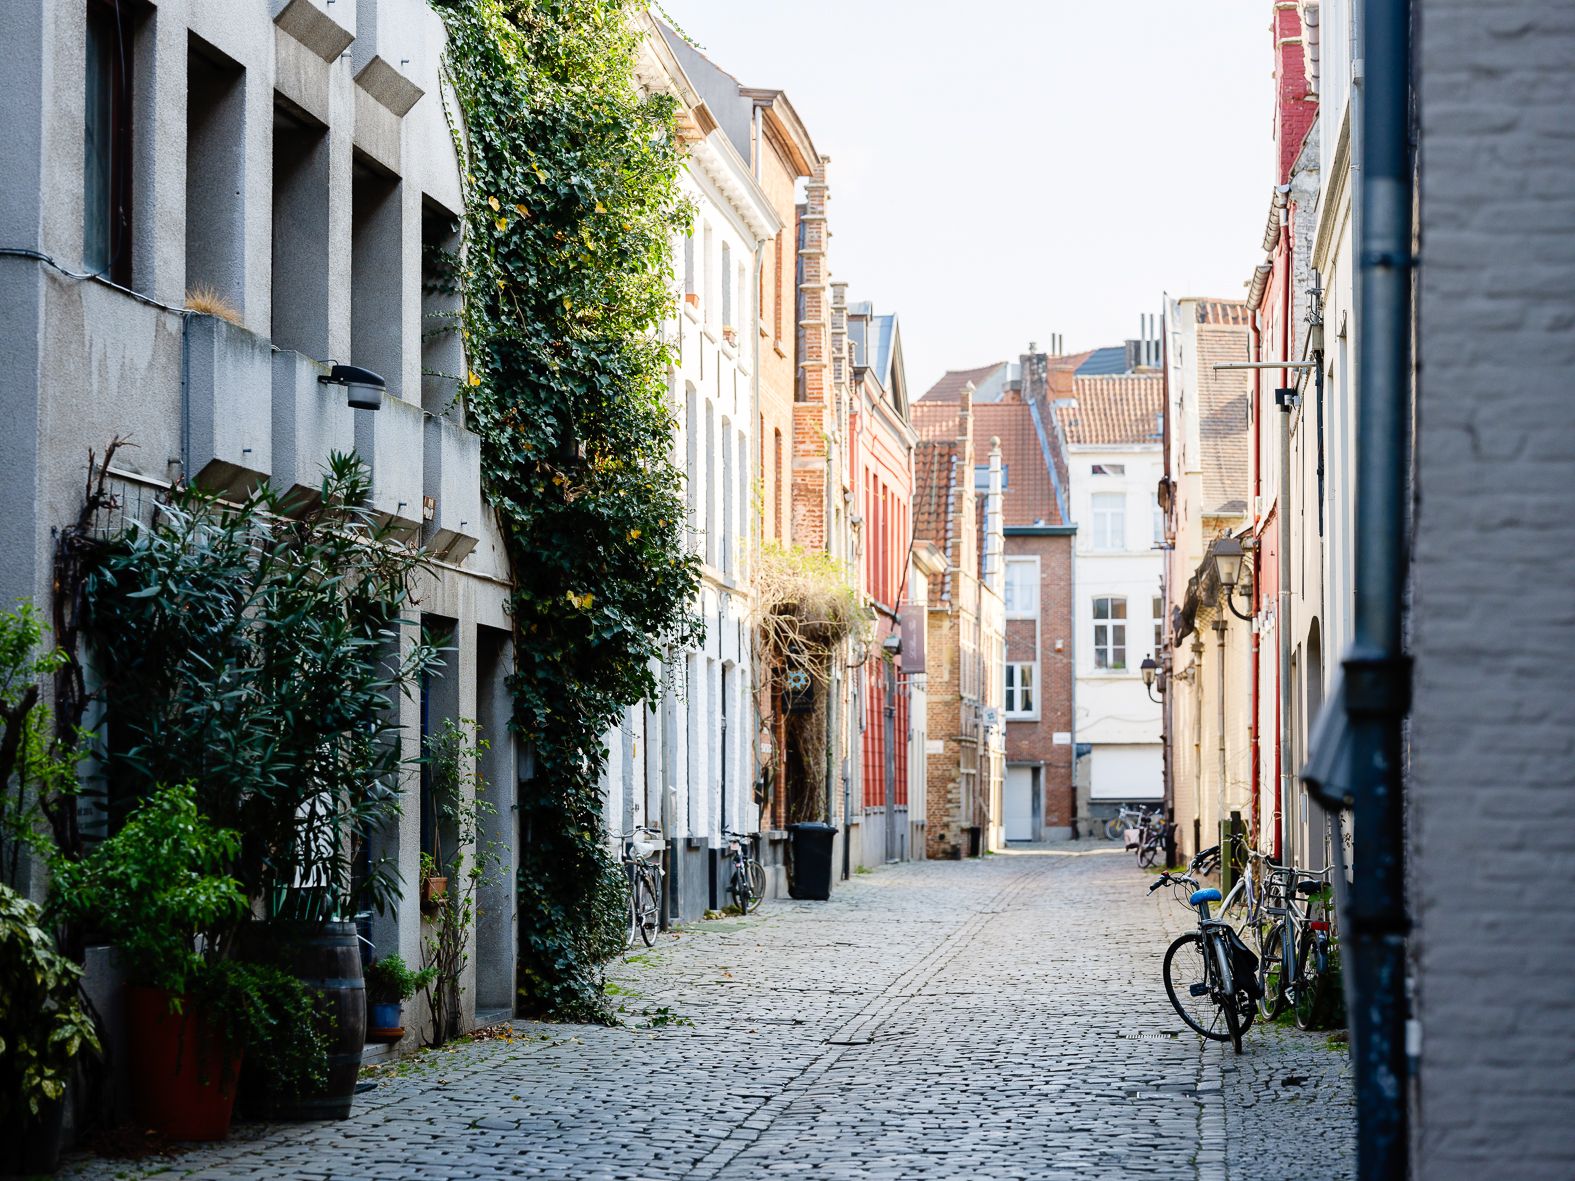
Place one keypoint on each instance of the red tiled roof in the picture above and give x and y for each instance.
(1223, 311)
(1115, 410)
(934, 420)
(949, 388)
(1030, 494)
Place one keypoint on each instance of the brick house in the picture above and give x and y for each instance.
(880, 455)
(1038, 800)
(965, 633)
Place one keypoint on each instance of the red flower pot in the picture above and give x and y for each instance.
(181, 1084)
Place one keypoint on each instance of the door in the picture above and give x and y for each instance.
(1018, 804)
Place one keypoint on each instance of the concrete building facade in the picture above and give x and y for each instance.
(291, 164)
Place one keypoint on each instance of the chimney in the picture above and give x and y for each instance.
(815, 378)
(994, 569)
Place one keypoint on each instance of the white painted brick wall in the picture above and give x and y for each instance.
(1493, 790)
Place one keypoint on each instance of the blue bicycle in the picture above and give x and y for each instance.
(1211, 976)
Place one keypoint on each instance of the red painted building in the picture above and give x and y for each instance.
(880, 472)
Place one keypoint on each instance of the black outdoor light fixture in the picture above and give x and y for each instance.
(363, 389)
(1227, 566)
(1152, 675)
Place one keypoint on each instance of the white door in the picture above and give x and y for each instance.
(1018, 803)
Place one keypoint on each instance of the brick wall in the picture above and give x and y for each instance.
(1294, 108)
(1492, 784)
(1034, 742)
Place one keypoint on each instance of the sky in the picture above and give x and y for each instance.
(1001, 170)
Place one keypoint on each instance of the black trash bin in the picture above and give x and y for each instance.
(811, 846)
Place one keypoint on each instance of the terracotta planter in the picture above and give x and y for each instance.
(433, 891)
(181, 1084)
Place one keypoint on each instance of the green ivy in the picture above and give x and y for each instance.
(572, 205)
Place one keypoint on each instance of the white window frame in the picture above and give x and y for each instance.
(1159, 625)
(1014, 691)
(1108, 648)
(1105, 531)
(1031, 560)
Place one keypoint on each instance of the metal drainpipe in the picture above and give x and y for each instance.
(1219, 696)
(1377, 674)
(1287, 399)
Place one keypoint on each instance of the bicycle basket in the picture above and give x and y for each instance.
(1244, 965)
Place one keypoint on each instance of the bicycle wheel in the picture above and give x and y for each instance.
(1271, 972)
(1190, 984)
(632, 916)
(648, 914)
(757, 883)
(1148, 851)
(1312, 977)
(738, 887)
(1232, 1007)
(1114, 827)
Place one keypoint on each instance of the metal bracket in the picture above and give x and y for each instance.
(1376, 684)
(1287, 399)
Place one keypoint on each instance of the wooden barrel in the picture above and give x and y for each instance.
(327, 959)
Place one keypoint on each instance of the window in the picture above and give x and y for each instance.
(1022, 689)
(106, 176)
(1159, 625)
(1110, 633)
(689, 265)
(777, 469)
(706, 302)
(1022, 588)
(981, 477)
(727, 285)
(1108, 469)
(776, 297)
(1110, 520)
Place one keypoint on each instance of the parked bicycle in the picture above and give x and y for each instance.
(1152, 839)
(1295, 946)
(747, 882)
(642, 852)
(1126, 818)
(1211, 976)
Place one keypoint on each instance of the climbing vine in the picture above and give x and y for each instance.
(571, 208)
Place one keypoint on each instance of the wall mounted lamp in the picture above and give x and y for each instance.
(363, 389)
(1228, 567)
(1153, 675)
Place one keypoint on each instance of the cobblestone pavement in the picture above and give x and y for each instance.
(1002, 1018)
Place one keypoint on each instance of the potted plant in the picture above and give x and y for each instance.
(389, 984)
(42, 1029)
(434, 885)
(159, 889)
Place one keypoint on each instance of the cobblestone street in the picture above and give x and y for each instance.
(1001, 1018)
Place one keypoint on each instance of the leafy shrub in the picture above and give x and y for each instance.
(42, 1024)
(389, 981)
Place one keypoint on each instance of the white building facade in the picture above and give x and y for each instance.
(687, 765)
(1111, 431)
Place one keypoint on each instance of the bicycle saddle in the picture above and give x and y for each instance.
(1209, 894)
(1308, 887)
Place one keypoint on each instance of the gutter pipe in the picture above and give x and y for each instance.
(1376, 671)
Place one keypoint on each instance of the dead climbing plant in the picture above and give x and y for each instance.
(807, 613)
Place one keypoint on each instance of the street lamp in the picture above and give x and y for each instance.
(1151, 673)
(1227, 566)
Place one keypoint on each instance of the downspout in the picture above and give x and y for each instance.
(1376, 671)
(1287, 399)
(1257, 586)
(1219, 693)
